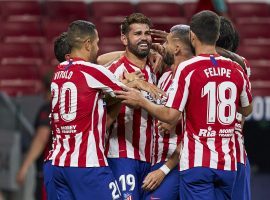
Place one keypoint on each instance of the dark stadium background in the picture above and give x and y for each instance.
(28, 29)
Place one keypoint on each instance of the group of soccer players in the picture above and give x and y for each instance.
(134, 131)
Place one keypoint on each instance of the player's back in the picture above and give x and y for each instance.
(78, 114)
(211, 87)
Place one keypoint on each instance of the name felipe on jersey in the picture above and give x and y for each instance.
(209, 132)
(217, 71)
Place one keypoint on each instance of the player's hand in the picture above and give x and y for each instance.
(130, 96)
(156, 61)
(164, 127)
(153, 180)
(154, 91)
(138, 75)
(158, 48)
(159, 35)
(20, 177)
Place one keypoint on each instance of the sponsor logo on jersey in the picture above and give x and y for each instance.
(226, 132)
(209, 132)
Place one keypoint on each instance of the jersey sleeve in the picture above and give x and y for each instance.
(179, 89)
(102, 79)
(245, 96)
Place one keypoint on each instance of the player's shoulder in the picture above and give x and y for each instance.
(116, 64)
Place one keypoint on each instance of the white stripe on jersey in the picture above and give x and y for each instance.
(74, 158)
(91, 143)
(186, 92)
(129, 132)
(198, 151)
(66, 149)
(213, 152)
(226, 150)
(144, 118)
(244, 97)
(184, 156)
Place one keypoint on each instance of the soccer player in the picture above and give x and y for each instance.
(130, 140)
(176, 50)
(42, 141)
(78, 119)
(210, 89)
(228, 40)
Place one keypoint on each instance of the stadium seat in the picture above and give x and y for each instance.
(189, 9)
(22, 32)
(21, 10)
(254, 52)
(68, 10)
(160, 9)
(106, 48)
(101, 10)
(260, 87)
(260, 73)
(248, 9)
(20, 79)
(54, 28)
(20, 53)
(253, 30)
(166, 23)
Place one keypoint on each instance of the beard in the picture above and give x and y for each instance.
(168, 58)
(134, 48)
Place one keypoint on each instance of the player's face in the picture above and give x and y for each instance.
(169, 50)
(94, 49)
(138, 40)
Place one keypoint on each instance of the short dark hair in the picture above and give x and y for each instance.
(205, 25)
(228, 38)
(135, 18)
(61, 47)
(181, 32)
(78, 31)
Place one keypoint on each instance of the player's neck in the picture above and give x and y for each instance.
(138, 62)
(78, 54)
(205, 49)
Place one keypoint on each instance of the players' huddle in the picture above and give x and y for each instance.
(155, 121)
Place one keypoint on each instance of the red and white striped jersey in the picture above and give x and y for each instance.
(130, 136)
(241, 154)
(165, 144)
(209, 88)
(78, 115)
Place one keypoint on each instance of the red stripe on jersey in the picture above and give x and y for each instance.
(136, 132)
(97, 138)
(218, 147)
(231, 146)
(206, 153)
(71, 143)
(121, 132)
(83, 150)
(166, 138)
(237, 147)
(156, 144)
(191, 148)
(60, 153)
(148, 138)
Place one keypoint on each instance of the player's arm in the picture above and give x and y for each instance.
(112, 113)
(107, 58)
(155, 178)
(37, 146)
(134, 98)
(245, 111)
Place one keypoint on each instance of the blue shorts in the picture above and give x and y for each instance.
(74, 183)
(130, 174)
(169, 188)
(241, 190)
(49, 181)
(205, 183)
